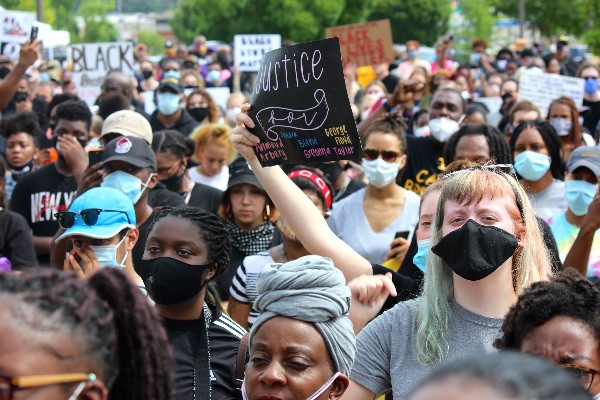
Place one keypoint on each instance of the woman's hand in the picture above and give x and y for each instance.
(241, 138)
(369, 292)
(87, 257)
(399, 249)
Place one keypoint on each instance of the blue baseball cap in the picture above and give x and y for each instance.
(109, 223)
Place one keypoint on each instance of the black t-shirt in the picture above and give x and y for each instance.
(160, 196)
(390, 82)
(224, 336)
(205, 197)
(184, 125)
(591, 116)
(140, 245)
(39, 195)
(15, 241)
(406, 288)
(425, 161)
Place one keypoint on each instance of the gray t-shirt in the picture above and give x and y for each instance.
(386, 348)
(550, 201)
(349, 222)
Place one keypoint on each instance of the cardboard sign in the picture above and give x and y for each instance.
(91, 63)
(15, 26)
(300, 106)
(250, 49)
(219, 95)
(365, 44)
(542, 89)
(493, 104)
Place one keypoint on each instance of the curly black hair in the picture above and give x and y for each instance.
(109, 320)
(174, 143)
(59, 99)
(567, 294)
(392, 123)
(74, 110)
(499, 150)
(21, 121)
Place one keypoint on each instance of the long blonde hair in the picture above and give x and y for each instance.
(531, 262)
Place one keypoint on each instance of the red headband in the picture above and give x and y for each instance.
(317, 180)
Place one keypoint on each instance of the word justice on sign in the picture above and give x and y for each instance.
(302, 68)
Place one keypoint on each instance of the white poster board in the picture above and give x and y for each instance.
(220, 95)
(91, 63)
(250, 49)
(542, 89)
(493, 104)
(15, 26)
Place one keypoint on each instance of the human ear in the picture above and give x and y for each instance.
(210, 272)
(402, 161)
(132, 237)
(339, 386)
(94, 390)
(153, 180)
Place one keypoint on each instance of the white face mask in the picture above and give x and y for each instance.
(107, 255)
(312, 397)
(380, 173)
(443, 128)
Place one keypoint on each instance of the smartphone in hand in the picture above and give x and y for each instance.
(34, 34)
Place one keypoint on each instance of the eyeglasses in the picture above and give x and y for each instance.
(66, 219)
(387, 155)
(589, 77)
(8, 385)
(585, 375)
(166, 171)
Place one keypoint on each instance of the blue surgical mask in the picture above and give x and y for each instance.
(380, 173)
(591, 86)
(532, 165)
(213, 75)
(411, 54)
(168, 103)
(94, 143)
(422, 131)
(130, 185)
(44, 77)
(172, 74)
(579, 195)
(107, 255)
(475, 58)
(420, 258)
(562, 126)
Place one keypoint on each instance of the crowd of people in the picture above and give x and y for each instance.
(152, 256)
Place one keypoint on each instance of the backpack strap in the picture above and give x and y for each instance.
(240, 361)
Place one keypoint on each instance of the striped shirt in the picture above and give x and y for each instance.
(243, 286)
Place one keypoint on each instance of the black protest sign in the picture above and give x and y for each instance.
(300, 106)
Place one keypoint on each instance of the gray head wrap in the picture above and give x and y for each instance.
(310, 289)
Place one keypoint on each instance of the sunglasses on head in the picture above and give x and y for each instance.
(386, 155)
(66, 219)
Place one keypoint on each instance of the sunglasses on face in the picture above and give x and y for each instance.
(386, 155)
(66, 219)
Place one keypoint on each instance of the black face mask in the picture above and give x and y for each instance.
(198, 113)
(474, 251)
(173, 183)
(147, 74)
(170, 281)
(18, 172)
(111, 105)
(331, 170)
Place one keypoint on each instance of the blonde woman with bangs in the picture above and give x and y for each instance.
(485, 248)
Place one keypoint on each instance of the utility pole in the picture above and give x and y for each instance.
(40, 10)
(521, 17)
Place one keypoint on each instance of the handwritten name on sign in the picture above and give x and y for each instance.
(542, 89)
(365, 44)
(250, 49)
(92, 61)
(301, 107)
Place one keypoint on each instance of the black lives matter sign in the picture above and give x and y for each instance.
(300, 106)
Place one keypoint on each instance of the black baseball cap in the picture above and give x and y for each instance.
(171, 82)
(240, 172)
(132, 150)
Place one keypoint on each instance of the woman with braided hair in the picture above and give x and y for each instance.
(383, 208)
(64, 337)
(186, 249)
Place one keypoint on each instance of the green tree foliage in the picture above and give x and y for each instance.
(423, 20)
(97, 28)
(481, 18)
(300, 20)
(153, 40)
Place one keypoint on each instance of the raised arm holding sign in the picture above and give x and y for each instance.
(301, 106)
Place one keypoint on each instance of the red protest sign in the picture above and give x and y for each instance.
(365, 44)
